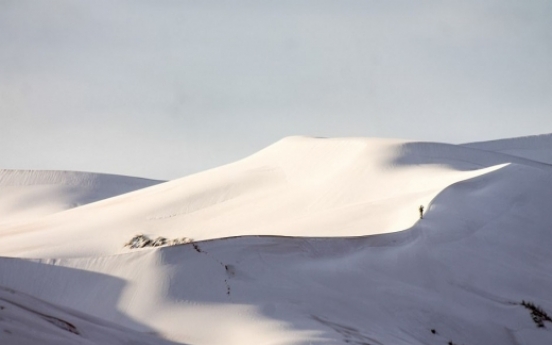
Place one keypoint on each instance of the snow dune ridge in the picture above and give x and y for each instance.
(299, 186)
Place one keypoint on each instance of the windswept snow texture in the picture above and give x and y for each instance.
(331, 266)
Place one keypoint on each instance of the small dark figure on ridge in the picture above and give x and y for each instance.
(421, 211)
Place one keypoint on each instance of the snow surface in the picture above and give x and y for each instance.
(309, 241)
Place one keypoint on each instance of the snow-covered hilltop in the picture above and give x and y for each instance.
(344, 257)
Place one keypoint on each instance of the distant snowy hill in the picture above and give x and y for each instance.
(536, 147)
(30, 194)
(309, 241)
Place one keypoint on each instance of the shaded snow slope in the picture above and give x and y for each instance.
(25, 320)
(32, 194)
(462, 271)
(297, 187)
(535, 147)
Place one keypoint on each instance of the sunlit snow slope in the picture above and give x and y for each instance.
(342, 274)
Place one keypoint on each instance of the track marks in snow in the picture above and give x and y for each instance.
(59, 323)
(350, 335)
(229, 269)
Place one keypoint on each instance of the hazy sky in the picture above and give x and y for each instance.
(162, 89)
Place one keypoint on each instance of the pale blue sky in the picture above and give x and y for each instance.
(163, 89)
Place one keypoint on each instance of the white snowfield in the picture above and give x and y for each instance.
(343, 257)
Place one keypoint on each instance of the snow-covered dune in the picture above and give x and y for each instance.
(535, 147)
(31, 194)
(331, 266)
(297, 187)
(460, 275)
